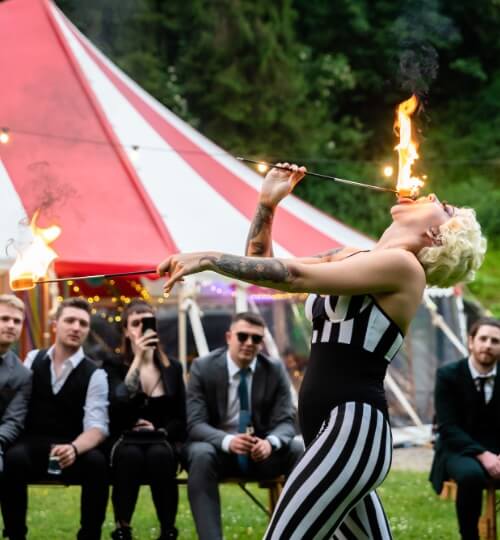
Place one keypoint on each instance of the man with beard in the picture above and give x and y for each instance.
(467, 402)
(67, 420)
(15, 379)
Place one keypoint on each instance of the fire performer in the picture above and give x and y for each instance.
(361, 304)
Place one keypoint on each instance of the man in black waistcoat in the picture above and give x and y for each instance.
(67, 419)
(467, 402)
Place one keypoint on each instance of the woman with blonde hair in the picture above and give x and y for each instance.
(361, 304)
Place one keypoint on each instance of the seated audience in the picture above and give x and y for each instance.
(67, 420)
(147, 422)
(467, 401)
(240, 420)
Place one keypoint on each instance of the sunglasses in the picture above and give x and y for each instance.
(243, 336)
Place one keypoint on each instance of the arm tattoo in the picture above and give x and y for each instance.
(259, 238)
(329, 253)
(260, 271)
(132, 382)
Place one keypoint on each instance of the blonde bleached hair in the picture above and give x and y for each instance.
(12, 301)
(460, 253)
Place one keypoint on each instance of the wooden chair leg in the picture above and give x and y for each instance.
(274, 493)
(449, 491)
(488, 521)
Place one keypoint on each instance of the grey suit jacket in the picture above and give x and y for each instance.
(272, 409)
(15, 392)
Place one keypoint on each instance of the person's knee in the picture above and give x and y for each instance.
(201, 458)
(470, 478)
(93, 464)
(129, 456)
(16, 461)
(161, 460)
(296, 449)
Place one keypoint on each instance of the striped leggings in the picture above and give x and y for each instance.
(330, 494)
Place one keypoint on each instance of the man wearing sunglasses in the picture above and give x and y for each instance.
(240, 420)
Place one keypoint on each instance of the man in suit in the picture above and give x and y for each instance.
(67, 419)
(467, 402)
(240, 420)
(15, 379)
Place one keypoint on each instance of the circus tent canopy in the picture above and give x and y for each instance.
(127, 180)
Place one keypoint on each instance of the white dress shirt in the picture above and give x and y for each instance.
(489, 385)
(96, 401)
(230, 423)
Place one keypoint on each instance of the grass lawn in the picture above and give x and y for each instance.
(414, 511)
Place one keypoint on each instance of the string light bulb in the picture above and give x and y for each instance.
(4, 136)
(134, 153)
(388, 171)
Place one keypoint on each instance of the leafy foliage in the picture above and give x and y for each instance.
(317, 82)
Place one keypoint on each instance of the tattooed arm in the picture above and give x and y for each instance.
(259, 241)
(382, 271)
(132, 380)
(277, 184)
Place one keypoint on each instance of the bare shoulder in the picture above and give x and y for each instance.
(402, 266)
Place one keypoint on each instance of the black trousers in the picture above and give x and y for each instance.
(27, 461)
(153, 464)
(471, 478)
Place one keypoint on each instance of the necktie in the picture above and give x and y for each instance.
(481, 382)
(245, 419)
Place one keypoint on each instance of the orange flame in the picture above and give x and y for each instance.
(32, 263)
(408, 185)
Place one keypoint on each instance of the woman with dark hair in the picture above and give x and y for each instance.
(147, 422)
(361, 304)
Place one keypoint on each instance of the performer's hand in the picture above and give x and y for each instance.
(278, 183)
(491, 462)
(182, 264)
(261, 450)
(241, 444)
(66, 453)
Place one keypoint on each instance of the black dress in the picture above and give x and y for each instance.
(146, 457)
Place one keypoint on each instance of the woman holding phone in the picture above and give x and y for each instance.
(147, 422)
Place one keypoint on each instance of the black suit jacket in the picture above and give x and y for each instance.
(458, 410)
(15, 392)
(207, 394)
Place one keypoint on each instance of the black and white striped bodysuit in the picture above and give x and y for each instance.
(344, 421)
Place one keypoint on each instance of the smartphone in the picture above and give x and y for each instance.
(148, 323)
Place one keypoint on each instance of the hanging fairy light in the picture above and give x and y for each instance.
(134, 153)
(4, 135)
(388, 171)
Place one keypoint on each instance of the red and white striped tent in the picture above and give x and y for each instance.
(127, 180)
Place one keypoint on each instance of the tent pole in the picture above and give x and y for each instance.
(438, 320)
(393, 386)
(240, 299)
(182, 328)
(194, 313)
(44, 315)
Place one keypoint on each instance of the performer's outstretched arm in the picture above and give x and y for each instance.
(382, 271)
